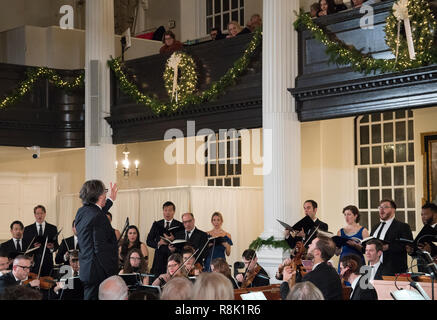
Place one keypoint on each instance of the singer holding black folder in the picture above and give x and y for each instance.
(305, 226)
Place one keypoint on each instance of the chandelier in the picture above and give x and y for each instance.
(126, 163)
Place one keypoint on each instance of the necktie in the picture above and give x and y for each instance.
(40, 230)
(380, 230)
(167, 225)
(187, 237)
(18, 245)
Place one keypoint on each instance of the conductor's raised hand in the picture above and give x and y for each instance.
(114, 189)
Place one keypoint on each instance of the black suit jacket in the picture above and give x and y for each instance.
(292, 241)
(325, 278)
(98, 256)
(7, 280)
(63, 249)
(363, 294)
(260, 280)
(395, 258)
(9, 247)
(162, 253)
(50, 231)
(197, 240)
(379, 272)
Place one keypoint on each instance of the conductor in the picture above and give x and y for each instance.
(98, 244)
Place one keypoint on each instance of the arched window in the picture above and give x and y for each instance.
(385, 165)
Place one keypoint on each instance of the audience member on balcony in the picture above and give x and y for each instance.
(339, 5)
(234, 29)
(216, 34)
(170, 43)
(357, 3)
(314, 10)
(326, 7)
(254, 23)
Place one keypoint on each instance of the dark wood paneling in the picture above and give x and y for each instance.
(325, 91)
(240, 107)
(46, 116)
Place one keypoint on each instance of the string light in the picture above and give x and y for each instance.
(343, 54)
(215, 90)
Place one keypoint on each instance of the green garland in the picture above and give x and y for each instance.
(270, 242)
(343, 54)
(215, 90)
(33, 75)
(188, 76)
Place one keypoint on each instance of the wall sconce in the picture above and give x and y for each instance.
(126, 164)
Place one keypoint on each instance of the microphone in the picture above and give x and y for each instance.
(419, 288)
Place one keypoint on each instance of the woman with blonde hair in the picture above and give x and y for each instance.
(221, 246)
(213, 286)
(234, 29)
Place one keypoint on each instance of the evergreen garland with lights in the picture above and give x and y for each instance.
(424, 27)
(270, 242)
(192, 99)
(35, 74)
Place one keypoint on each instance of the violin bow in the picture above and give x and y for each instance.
(63, 239)
(306, 242)
(31, 242)
(195, 261)
(42, 258)
(183, 264)
(251, 260)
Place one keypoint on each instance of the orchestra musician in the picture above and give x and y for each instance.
(20, 273)
(4, 262)
(166, 228)
(255, 275)
(173, 270)
(323, 275)
(192, 267)
(132, 241)
(67, 245)
(135, 263)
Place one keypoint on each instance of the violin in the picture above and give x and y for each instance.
(250, 276)
(296, 263)
(195, 270)
(45, 283)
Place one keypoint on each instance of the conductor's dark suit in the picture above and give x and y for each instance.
(395, 258)
(162, 253)
(197, 240)
(50, 231)
(98, 256)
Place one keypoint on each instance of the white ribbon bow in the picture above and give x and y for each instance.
(174, 62)
(400, 11)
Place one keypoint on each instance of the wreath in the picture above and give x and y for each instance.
(180, 76)
(421, 30)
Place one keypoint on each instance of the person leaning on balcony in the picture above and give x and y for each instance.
(170, 43)
(234, 29)
(326, 7)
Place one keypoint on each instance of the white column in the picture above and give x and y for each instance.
(281, 128)
(100, 158)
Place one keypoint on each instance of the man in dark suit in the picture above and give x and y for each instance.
(163, 228)
(307, 231)
(389, 229)
(194, 237)
(251, 262)
(4, 262)
(38, 232)
(350, 266)
(429, 219)
(19, 273)
(373, 256)
(16, 245)
(323, 276)
(67, 245)
(98, 256)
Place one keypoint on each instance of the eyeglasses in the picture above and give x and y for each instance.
(24, 268)
(172, 265)
(106, 190)
(380, 207)
(135, 258)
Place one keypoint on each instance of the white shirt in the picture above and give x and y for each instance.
(20, 241)
(386, 227)
(43, 227)
(75, 242)
(374, 270)
(169, 222)
(354, 284)
(434, 225)
(314, 266)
